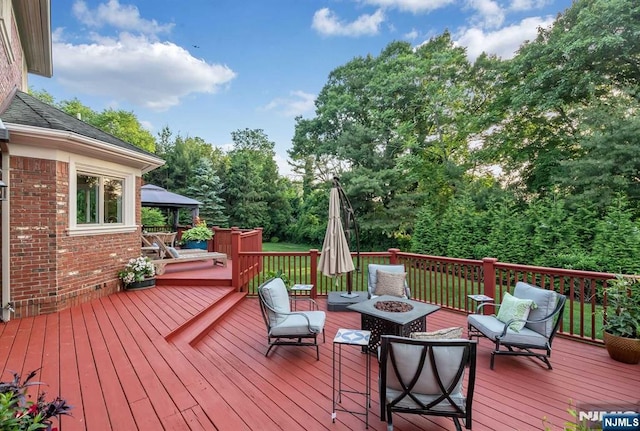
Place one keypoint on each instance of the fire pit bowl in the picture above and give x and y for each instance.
(393, 306)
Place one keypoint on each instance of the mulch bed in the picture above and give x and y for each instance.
(393, 306)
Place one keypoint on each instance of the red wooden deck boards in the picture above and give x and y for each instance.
(110, 360)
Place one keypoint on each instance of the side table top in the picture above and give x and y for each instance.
(356, 337)
(480, 298)
(302, 287)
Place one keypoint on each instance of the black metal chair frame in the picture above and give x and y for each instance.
(427, 358)
(522, 349)
(287, 340)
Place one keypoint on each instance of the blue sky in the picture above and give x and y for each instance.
(206, 68)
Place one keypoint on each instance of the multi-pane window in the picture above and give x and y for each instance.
(98, 199)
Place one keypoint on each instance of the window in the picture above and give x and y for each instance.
(102, 198)
(98, 199)
(5, 29)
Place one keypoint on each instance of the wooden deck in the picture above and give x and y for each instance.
(111, 360)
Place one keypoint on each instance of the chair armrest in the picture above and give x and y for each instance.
(508, 323)
(479, 307)
(300, 313)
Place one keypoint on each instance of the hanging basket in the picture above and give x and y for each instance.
(622, 349)
(144, 284)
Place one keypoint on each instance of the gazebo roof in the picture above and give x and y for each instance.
(154, 196)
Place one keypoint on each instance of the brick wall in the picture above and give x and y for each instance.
(50, 270)
(11, 74)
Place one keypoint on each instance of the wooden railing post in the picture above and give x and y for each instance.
(393, 256)
(258, 246)
(313, 256)
(489, 271)
(235, 258)
(216, 239)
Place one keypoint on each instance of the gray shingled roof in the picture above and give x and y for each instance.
(154, 196)
(27, 110)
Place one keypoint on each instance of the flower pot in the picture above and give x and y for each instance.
(622, 349)
(144, 284)
(202, 245)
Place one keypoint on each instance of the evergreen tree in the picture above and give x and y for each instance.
(207, 188)
(507, 240)
(617, 241)
(427, 237)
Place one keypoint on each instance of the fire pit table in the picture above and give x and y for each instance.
(386, 315)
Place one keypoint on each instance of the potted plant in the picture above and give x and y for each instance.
(139, 273)
(622, 323)
(19, 412)
(197, 236)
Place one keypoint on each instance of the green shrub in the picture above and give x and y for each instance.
(152, 217)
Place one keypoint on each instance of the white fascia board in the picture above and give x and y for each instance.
(77, 144)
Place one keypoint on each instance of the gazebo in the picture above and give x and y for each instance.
(157, 197)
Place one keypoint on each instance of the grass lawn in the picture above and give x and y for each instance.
(287, 246)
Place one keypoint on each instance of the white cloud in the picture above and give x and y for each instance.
(327, 23)
(414, 6)
(523, 5)
(152, 74)
(412, 35)
(298, 103)
(504, 42)
(121, 17)
(489, 13)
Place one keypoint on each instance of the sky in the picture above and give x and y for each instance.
(206, 68)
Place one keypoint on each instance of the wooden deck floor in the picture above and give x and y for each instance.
(110, 360)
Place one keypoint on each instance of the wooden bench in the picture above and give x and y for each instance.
(217, 258)
(184, 256)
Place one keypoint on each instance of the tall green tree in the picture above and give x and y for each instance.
(588, 57)
(208, 189)
(617, 241)
(256, 195)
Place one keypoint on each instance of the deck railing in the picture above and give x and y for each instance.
(439, 280)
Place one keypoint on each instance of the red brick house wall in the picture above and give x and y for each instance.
(11, 72)
(50, 270)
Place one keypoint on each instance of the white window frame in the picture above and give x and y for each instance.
(128, 179)
(6, 21)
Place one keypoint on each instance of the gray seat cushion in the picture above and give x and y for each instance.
(492, 327)
(281, 321)
(546, 301)
(296, 324)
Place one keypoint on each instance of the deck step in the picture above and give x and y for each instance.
(194, 329)
(195, 281)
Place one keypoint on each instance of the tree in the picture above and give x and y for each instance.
(617, 241)
(256, 196)
(587, 58)
(208, 189)
(394, 129)
(124, 125)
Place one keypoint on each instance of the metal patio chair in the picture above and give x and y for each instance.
(285, 327)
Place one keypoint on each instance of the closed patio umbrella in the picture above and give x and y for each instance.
(336, 257)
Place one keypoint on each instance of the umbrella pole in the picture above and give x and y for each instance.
(349, 293)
